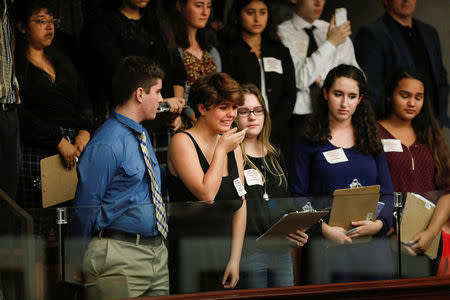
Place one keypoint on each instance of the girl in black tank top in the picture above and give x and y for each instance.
(179, 192)
(213, 204)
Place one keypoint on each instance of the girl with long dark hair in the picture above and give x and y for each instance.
(252, 53)
(418, 160)
(194, 39)
(341, 149)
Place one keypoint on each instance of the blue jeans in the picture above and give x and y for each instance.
(262, 268)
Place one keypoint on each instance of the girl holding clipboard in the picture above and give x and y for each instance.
(341, 148)
(266, 187)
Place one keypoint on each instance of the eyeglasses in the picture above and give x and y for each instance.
(245, 112)
(46, 23)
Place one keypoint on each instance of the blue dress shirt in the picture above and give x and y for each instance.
(114, 189)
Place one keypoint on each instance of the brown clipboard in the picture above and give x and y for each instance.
(416, 216)
(354, 204)
(57, 182)
(290, 223)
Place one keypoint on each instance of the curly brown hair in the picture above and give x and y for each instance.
(317, 128)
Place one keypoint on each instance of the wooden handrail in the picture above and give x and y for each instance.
(429, 288)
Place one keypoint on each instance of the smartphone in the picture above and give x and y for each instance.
(350, 231)
(340, 15)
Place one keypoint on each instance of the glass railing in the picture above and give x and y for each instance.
(41, 254)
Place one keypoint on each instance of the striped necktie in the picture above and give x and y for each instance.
(161, 219)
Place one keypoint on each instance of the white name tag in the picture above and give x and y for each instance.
(253, 177)
(301, 48)
(271, 64)
(392, 145)
(239, 187)
(335, 156)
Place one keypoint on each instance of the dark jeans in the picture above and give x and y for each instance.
(9, 150)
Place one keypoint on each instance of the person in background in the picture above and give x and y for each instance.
(252, 53)
(316, 47)
(267, 194)
(205, 165)
(10, 152)
(398, 40)
(131, 28)
(418, 161)
(195, 41)
(56, 116)
(119, 209)
(341, 149)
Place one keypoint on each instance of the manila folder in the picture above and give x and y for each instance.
(58, 183)
(354, 204)
(416, 216)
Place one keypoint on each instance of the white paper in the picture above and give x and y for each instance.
(253, 177)
(239, 187)
(271, 64)
(335, 156)
(392, 145)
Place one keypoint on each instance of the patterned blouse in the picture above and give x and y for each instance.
(196, 68)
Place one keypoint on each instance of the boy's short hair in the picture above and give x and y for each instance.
(131, 73)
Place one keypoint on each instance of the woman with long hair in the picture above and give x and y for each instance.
(341, 149)
(194, 39)
(267, 194)
(418, 159)
(252, 53)
(205, 165)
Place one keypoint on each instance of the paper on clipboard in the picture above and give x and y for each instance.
(290, 223)
(354, 204)
(415, 219)
(58, 183)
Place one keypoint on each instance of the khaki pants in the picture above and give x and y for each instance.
(118, 269)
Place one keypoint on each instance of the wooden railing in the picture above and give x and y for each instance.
(418, 288)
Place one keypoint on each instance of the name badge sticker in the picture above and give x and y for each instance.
(271, 64)
(392, 145)
(239, 187)
(301, 47)
(335, 156)
(253, 177)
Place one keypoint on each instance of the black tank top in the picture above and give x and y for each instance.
(178, 192)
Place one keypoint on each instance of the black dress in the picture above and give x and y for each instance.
(110, 36)
(50, 111)
(200, 233)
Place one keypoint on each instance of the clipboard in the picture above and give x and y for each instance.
(416, 216)
(290, 223)
(58, 183)
(354, 204)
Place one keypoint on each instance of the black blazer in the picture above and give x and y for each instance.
(243, 65)
(380, 49)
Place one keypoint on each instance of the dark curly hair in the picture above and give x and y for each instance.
(425, 124)
(317, 129)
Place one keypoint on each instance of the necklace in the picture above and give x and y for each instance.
(265, 195)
